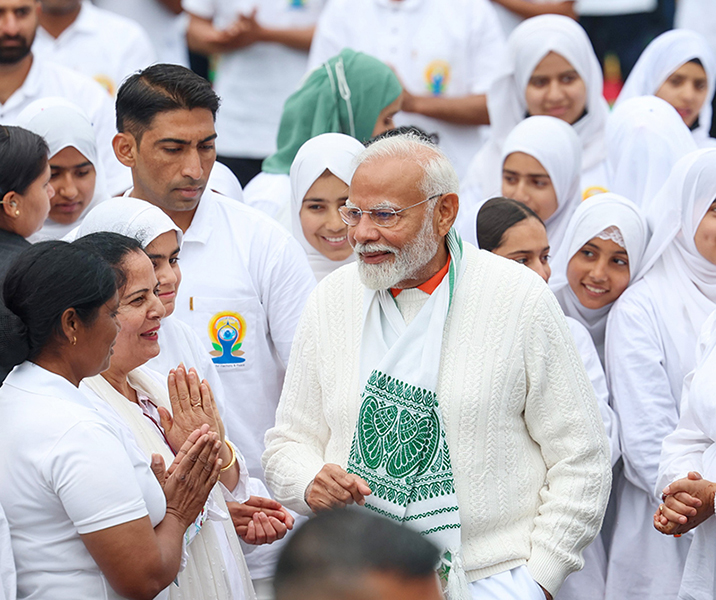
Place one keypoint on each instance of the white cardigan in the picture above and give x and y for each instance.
(526, 438)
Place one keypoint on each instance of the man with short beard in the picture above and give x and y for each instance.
(439, 386)
(25, 78)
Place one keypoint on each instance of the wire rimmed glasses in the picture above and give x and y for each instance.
(382, 217)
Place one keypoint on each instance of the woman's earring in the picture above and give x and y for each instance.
(74, 340)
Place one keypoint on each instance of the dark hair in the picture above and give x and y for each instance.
(433, 138)
(496, 216)
(44, 281)
(113, 248)
(157, 89)
(23, 158)
(697, 61)
(326, 555)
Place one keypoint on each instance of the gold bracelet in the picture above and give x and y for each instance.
(232, 462)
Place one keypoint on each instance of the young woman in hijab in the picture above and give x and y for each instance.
(600, 257)
(651, 340)
(541, 166)
(76, 173)
(511, 229)
(679, 67)
(320, 176)
(645, 138)
(550, 69)
(130, 394)
(352, 93)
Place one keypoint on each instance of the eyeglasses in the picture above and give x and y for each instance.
(382, 217)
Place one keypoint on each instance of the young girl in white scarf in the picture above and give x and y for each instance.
(550, 69)
(651, 339)
(320, 176)
(679, 67)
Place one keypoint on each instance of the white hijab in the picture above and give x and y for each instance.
(132, 217)
(63, 125)
(682, 281)
(591, 218)
(329, 151)
(556, 146)
(660, 59)
(645, 138)
(528, 44)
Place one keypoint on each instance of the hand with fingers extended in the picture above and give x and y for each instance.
(260, 520)
(334, 487)
(195, 474)
(687, 503)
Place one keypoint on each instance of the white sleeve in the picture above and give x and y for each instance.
(139, 52)
(93, 477)
(487, 47)
(331, 35)
(242, 490)
(201, 8)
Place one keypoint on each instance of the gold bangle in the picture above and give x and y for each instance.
(232, 462)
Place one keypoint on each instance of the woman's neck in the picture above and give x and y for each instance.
(119, 379)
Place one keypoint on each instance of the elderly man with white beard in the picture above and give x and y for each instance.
(438, 385)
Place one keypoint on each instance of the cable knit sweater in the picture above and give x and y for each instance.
(529, 452)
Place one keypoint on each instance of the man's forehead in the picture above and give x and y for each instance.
(390, 178)
(15, 4)
(182, 124)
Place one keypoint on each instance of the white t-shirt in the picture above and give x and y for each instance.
(166, 30)
(99, 44)
(508, 19)
(245, 281)
(449, 48)
(65, 471)
(595, 8)
(254, 82)
(45, 79)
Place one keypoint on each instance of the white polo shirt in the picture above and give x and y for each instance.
(598, 8)
(450, 48)
(99, 44)
(166, 30)
(65, 471)
(254, 82)
(50, 79)
(508, 19)
(244, 283)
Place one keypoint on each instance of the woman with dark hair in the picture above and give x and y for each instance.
(25, 193)
(511, 229)
(87, 514)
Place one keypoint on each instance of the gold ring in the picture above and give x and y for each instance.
(197, 404)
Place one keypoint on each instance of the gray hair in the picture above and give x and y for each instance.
(439, 174)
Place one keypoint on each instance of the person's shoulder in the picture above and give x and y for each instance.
(107, 21)
(57, 79)
(252, 220)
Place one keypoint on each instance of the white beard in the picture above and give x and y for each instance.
(406, 262)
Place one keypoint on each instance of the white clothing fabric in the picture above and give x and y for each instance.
(166, 30)
(529, 43)
(696, 16)
(271, 194)
(445, 49)
(223, 181)
(660, 59)
(243, 271)
(209, 571)
(645, 138)
(333, 152)
(515, 584)
(549, 433)
(595, 8)
(47, 79)
(593, 216)
(508, 19)
(8, 578)
(52, 489)
(100, 44)
(63, 124)
(254, 82)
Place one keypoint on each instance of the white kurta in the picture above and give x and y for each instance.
(49, 79)
(645, 378)
(245, 277)
(8, 577)
(65, 471)
(99, 44)
(444, 49)
(254, 82)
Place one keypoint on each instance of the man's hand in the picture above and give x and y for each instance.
(333, 487)
(255, 529)
(687, 503)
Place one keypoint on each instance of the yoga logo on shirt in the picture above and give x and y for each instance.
(296, 4)
(437, 77)
(593, 191)
(227, 331)
(107, 83)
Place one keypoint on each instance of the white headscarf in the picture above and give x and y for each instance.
(132, 217)
(645, 138)
(64, 124)
(556, 146)
(528, 44)
(334, 152)
(660, 59)
(682, 281)
(591, 218)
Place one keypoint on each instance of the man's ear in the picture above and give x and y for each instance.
(125, 148)
(447, 213)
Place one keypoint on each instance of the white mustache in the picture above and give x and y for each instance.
(370, 248)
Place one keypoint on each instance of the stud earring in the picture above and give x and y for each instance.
(74, 340)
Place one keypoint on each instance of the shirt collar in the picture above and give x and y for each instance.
(35, 379)
(431, 284)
